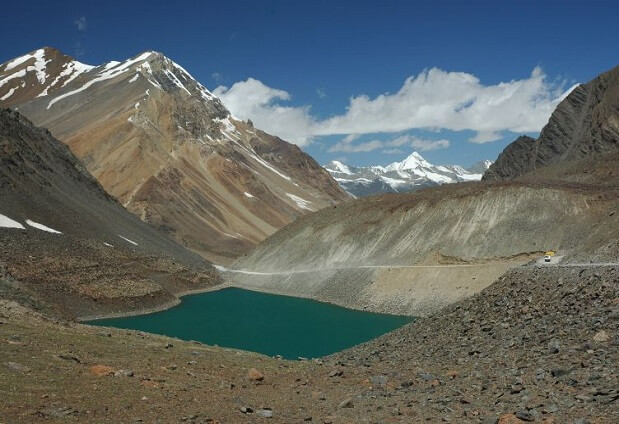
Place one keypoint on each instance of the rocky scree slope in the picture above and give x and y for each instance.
(585, 123)
(167, 148)
(68, 246)
(412, 173)
(540, 346)
(415, 253)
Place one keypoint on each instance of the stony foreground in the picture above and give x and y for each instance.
(540, 345)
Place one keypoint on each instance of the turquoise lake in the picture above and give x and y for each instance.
(270, 324)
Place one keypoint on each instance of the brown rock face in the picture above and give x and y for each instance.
(585, 123)
(168, 150)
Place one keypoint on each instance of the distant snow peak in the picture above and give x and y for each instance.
(414, 161)
(412, 173)
(340, 168)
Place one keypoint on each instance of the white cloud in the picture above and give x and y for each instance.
(423, 145)
(251, 99)
(433, 100)
(81, 24)
(367, 146)
(321, 93)
(390, 146)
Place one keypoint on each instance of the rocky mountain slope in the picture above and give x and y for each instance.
(585, 123)
(412, 173)
(418, 252)
(163, 145)
(415, 253)
(538, 346)
(68, 246)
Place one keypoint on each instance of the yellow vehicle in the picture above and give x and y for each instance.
(550, 253)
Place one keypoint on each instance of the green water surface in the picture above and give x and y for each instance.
(273, 325)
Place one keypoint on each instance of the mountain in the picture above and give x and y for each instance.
(168, 150)
(415, 253)
(412, 173)
(70, 244)
(479, 167)
(585, 123)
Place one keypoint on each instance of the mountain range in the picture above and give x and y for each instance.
(412, 173)
(166, 147)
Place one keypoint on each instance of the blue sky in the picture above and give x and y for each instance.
(306, 65)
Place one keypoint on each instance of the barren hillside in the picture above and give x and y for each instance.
(415, 253)
(585, 123)
(68, 247)
(168, 150)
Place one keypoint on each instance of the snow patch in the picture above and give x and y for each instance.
(134, 78)
(6, 222)
(228, 125)
(127, 240)
(42, 227)
(18, 74)
(302, 203)
(18, 61)
(251, 196)
(392, 181)
(8, 94)
(111, 70)
(176, 81)
(72, 70)
(39, 65)
(471, 177)
(107, 244)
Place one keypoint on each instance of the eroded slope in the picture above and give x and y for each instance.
(416, 253)
(167, 148)
(68, 246)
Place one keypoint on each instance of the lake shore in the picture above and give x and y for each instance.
(153, 309)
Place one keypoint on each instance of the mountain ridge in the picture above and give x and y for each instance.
(73, 248)
(585, 123)
(412, 173)
(169, 150)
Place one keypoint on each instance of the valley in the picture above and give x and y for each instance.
(164, 260)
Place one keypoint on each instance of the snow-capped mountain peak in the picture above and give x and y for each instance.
(414, 161)
(412, 173)
(338, 167)
(149, 131)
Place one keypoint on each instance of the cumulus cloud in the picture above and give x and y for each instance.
(81, 24)
(389, 146)
(251, 99)
(433, 100)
